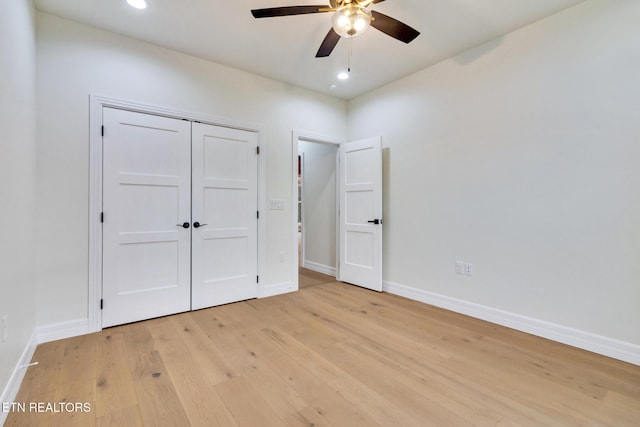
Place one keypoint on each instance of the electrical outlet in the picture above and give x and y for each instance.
(459, 267)
(468, 269)
(5, 330)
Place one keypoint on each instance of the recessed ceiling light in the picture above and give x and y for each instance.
(343, 75)
(138, 4)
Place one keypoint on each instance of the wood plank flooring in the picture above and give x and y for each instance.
(308, 278)
(328, 355)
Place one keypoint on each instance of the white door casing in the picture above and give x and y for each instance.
(96, 189)
(180, 227)
(360, 219)
(224, 198)
(146, 193)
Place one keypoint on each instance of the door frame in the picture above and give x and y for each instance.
(297, 135)
(301, 210)
(96, 105)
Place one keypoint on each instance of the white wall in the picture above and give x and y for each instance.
(75, 60)
(521, 156)
(319, 197)
(17, 180)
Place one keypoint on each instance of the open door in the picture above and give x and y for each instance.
(360, 215)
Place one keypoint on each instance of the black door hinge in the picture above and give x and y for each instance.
(258, 149)
(257, 279)
(101, 216)
(101, 304)
(257, 214)
(102, 131)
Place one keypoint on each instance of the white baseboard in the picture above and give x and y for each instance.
(276, 289)
(62, 330)
(610, 347)
(320, 268)
(15, 380)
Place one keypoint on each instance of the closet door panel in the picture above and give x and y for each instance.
(146, 194)
(224, 202)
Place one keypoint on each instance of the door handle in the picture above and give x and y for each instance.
(197, 224)
(183, 225)
(375, 221)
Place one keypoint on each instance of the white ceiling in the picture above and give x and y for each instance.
(284, 48)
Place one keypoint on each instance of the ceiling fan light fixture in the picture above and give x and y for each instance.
(351, 20)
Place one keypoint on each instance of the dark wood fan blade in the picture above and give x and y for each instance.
(392, 27)
(288, 10)
(328, 44)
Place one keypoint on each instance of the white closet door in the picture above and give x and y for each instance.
(361, 213)
(146, 199)
(224, 202)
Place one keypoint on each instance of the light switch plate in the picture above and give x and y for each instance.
(276, 204)
(459, 267)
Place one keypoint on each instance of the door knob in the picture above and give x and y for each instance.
(183, 225)
(197, 224)
(375, 221)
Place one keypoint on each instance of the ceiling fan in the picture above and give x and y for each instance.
(350, 19)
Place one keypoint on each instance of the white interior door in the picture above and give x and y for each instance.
(146, 199)
(225, 204)
(360, 219)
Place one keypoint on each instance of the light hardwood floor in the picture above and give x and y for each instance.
(308, 278)
(329, 355)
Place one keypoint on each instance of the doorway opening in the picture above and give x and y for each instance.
(357, 212)
(316, 196)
